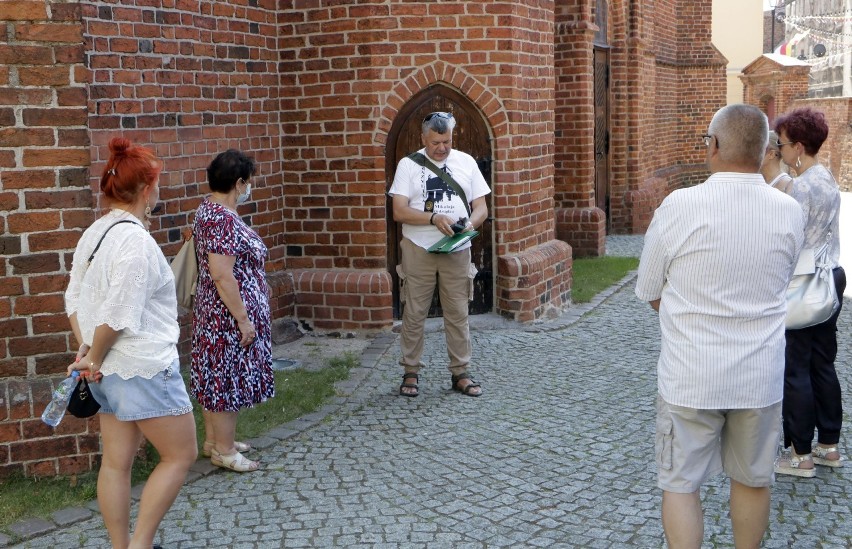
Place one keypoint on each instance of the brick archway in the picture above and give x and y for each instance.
(472, 136)
(442, 73)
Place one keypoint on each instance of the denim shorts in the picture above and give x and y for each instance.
(139, 398)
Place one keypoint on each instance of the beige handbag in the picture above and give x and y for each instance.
(185, 268)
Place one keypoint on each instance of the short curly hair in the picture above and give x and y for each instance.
(227, 168)
(806, 126)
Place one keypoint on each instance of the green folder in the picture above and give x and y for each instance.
(451, 243)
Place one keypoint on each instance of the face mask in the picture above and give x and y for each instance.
(243, 198)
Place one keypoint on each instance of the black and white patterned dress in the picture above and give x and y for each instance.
(224, 376)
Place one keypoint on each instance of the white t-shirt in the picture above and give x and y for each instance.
(719, 256)
(420, 185)
(130, 287)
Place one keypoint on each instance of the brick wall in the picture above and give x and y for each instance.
(771, 42)
(777, 89)
(351, 68)
(836, 152)
(312, 90)
(189, 79)
(668, 80)
(773, 87)
(45, 203)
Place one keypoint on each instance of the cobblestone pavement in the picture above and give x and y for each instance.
(558, 452)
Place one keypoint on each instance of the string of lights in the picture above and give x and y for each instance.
(828, 35)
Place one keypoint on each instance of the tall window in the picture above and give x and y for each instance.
(600, 21)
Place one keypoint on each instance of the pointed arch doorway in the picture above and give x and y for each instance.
(472, 136)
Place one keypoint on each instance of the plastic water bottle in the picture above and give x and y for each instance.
(55, 411)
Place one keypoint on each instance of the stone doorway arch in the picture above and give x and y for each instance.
(471, 135)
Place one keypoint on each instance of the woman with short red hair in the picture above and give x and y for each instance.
(122, 307)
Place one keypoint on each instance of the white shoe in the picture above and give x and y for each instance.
(789, 463)
(820, 456)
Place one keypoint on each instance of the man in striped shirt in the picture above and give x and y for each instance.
(716, 264)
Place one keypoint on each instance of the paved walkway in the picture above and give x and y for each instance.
(557, 453)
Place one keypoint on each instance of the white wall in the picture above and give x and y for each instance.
(738, 33)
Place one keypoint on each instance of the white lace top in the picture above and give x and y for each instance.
(817, 193)
(130, 287)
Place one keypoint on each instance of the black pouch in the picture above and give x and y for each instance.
(82, 404)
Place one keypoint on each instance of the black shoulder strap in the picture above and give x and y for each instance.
(91, 257)
(421, 159)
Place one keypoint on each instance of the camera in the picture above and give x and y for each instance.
(459, 225)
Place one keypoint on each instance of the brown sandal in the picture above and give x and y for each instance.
(466, 389)
(407, 385)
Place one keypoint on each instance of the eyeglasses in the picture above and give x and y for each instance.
(444, 115)
(707, 138)
(780, 144)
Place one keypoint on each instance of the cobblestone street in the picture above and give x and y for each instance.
(558, 452)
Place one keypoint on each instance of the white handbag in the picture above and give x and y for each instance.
(811, 295)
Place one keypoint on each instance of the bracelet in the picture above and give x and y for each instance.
(431, 218)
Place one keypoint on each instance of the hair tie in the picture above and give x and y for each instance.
(111, 171)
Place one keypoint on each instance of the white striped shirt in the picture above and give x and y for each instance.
(719, 256)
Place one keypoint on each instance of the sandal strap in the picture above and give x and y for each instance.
(796, 460)
(461, 376)
(410, 375)
(470, 386)
(235, 462)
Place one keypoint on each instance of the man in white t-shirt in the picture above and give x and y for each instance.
(428, 208)
(716, 264)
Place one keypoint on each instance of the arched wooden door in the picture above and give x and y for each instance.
(471, 135)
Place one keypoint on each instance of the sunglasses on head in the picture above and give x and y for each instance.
(445, 115)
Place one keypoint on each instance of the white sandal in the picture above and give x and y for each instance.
(207, 447)
(820, 458)
(790, 464)
(235, 462)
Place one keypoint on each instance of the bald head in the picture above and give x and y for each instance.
(741, 134)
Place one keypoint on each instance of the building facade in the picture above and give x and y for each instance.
(734, 25)
(583, 115)
(820, 33)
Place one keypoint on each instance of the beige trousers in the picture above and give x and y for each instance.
(419, 273)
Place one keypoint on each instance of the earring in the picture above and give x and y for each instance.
(147, 211)
(798, 162)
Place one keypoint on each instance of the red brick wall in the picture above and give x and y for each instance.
(785, 88)
(311, 90)
(672, 80)
(45, 203)
(836, 152)
(773, 87)
(189, 79)
(350, 69)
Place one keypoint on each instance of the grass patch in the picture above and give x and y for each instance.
(595, 274)
(22, 498)
(297, 392)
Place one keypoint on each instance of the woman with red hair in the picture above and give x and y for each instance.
(122, 307)
(811, 388)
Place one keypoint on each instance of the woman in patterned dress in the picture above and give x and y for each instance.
(812, 398)
(231, 331)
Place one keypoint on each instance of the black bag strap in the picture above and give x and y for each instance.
(91, 257)
(421, 159)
